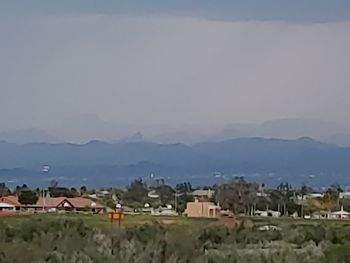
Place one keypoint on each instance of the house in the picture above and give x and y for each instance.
(320, 214)
(93, 196)
(9, 204)
(203, 195)
(165, 211)
(202, 209)
(341, 214)
(344, 195)
(102, 193)
(76, 204)
(299, 198)
(267, 213)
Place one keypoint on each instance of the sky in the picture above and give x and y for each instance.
(173, 62)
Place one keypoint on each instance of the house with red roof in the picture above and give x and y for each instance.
(52, 204)
(76, 204)
(9, 204)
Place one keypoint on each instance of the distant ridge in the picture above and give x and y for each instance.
(102, 162)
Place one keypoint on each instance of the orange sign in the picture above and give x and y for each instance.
(116, 216)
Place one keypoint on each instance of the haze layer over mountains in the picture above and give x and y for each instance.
(98, 163)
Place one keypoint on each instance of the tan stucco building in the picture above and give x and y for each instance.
(202, 209)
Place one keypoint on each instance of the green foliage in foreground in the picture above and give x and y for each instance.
(70, 239)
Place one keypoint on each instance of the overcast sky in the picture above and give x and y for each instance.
(161, 62)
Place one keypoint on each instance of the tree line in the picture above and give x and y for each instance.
(237, 195)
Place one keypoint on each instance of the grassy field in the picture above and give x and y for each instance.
(295, 221)
(102, 221)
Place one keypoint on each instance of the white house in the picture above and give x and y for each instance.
(340, 214)
(268, 213)
(344, 195)
(5, 207)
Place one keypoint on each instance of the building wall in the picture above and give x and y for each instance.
(200, 209)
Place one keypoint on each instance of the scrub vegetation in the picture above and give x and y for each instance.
(87, 238)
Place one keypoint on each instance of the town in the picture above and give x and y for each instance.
(234, 199)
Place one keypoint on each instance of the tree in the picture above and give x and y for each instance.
(74, 192)
(335, 188)
(238, 195)
(184, 188)
(304, 190)
(4, 190)
(182, 200)
(329, 201)
(27, 197)
(83, 190)
(263, 202)
(166, 194)
(183, 196)
(332, 194)
(63, 192)
(136, 192)
(21, 188)
(286, 193)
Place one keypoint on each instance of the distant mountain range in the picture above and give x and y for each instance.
(85, 128)
(284, 129)
(98, 163)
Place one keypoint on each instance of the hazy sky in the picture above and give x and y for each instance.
(173, 61)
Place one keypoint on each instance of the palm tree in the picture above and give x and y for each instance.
(285, 190)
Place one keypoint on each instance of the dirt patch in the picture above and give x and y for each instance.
(229, 221)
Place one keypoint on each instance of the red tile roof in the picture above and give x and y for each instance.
(53, 202)
(80, 202)
(48, 202)
(76, 202)
(11, 200)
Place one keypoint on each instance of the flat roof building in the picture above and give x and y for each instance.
(202, 209)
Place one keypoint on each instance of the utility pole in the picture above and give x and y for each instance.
(175, 199)
(44, 199)
(302, 209)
